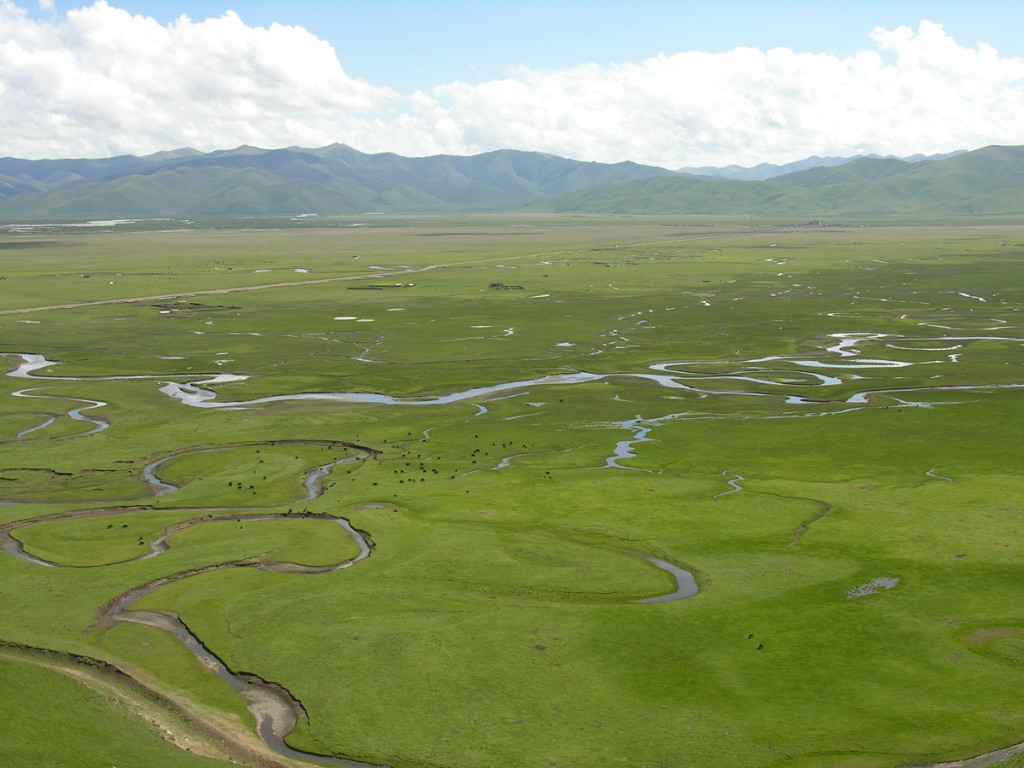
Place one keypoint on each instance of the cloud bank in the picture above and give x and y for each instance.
(99, 81)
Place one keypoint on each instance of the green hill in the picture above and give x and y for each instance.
(248, 181)
(988, 181)
(679, 194)
(330, 180)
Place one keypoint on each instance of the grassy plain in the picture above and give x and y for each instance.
(859, 386)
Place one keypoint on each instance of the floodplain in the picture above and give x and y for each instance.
(422, 491)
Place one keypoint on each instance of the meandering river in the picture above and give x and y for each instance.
(785, 378)
(274, 709)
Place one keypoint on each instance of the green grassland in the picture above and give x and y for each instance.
(789, 413)
(93, 726)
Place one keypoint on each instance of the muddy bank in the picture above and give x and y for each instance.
(275, 711)
(272, 706)
(179, 722)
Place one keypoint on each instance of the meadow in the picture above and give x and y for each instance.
(510, 415)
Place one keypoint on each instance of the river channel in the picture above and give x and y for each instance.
(800, 381)
(273, 708)
(784, 378)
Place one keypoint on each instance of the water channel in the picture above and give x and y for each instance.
(273, 708)
(785, 378)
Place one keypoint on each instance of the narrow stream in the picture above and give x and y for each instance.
(274, 709)
(734, 484)
(686, 585)
(75, 413)
(784, 378)
(47, 422)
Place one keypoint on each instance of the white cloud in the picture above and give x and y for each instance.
(99, 81)
(915, 92)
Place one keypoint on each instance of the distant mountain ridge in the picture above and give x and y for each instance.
(42, 175)
(987, 181)
(337, 179)
(253, 181)
(763, 171)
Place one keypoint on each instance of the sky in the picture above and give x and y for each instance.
(672, 84)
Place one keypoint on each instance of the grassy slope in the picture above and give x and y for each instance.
(250, 181)
(94, 727)
(979, 185)
(491, 626)
(985, 182)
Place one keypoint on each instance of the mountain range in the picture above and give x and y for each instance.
(763, 171)
(988, 181)
(337, 179)
(249, 181)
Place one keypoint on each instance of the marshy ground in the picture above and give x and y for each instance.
(820, 425)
